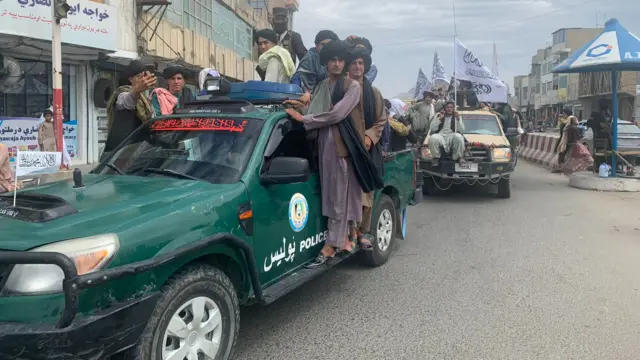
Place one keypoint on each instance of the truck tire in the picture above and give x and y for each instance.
(383, 224)
(504, 188)
(198, 290)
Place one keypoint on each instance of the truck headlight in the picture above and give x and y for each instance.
(89, 254)
(501, 154)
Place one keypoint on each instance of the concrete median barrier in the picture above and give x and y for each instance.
(540, 148)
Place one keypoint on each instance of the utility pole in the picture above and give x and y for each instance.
(59, 10)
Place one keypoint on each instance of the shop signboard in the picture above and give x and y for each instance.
(22, 134)
(89, 23)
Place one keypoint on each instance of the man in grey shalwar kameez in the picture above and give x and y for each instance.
(446, 133)
(422, 114)
(341, 191)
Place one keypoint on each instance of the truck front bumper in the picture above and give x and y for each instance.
(90, 337)
(486, 170)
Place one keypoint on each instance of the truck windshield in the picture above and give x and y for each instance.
(481, 124)
(210, 149)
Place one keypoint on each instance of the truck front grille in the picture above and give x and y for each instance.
(478, 154)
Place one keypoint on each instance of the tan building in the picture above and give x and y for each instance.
(202, 33)
(549, 92)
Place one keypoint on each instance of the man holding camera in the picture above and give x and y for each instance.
(128, 108)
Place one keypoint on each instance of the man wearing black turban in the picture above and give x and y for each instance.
(371, 113)
(364, 43)
(175, 75)
(345, 166)
(288, 39)
(128, 107)
(310, 71)
(275, 63)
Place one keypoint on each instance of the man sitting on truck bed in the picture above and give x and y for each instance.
(446, 133)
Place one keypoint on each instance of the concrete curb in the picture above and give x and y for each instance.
(539, 148)
(591, 181)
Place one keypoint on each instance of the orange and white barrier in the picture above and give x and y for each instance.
(540, 148)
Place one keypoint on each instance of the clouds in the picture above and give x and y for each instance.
(405, 33)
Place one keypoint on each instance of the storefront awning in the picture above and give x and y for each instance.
(122, 57)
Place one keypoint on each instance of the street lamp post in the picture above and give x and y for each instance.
(59, 11)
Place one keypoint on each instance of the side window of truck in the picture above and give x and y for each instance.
(289, 139)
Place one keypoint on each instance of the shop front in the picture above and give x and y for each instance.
(26, 70)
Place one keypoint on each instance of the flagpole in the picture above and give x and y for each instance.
(455, 36)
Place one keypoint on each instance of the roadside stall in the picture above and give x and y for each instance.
(614, 50)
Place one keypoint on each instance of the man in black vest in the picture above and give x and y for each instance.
(288, 39)
(128, 107)
(446, 133)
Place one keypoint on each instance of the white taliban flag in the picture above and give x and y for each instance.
(422, 84)
(487, 86)
(438, 76)
(35, 162)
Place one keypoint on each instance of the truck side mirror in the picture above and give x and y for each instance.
(286, 170)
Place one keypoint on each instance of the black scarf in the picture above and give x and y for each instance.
(369, 102)
(370, 118)
(366, 170)
(452, 125)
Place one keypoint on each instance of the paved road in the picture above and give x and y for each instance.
(553, 273)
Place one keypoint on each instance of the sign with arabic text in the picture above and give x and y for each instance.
(210, 124)
(37, 162)
(21, 134)
(89, 23)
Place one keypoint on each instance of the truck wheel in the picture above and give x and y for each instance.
(504, 188)
(384, 233)
(197, 316)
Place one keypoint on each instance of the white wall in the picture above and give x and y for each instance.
(126, 24)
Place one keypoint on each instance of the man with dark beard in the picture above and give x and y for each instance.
(341, 149)
(128, 107)
(288, 39)
(372, 110)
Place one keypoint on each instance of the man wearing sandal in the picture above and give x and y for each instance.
(333, 101)
(371, 109)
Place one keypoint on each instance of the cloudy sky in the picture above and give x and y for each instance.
(405, 33)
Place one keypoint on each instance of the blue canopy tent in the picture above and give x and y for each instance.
(615, 49)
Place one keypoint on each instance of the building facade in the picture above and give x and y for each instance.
(100, 37)
(547, 92)
(92, 30)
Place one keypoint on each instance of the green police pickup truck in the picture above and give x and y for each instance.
(154, 252)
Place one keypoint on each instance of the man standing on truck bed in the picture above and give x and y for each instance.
(446, 133)
(310, 71)
(341, 191)
(128, 108)
(422, 114)
(374, 115)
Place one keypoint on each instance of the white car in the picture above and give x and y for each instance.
(628, 136)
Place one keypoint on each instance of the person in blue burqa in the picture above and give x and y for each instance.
(310, 71)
